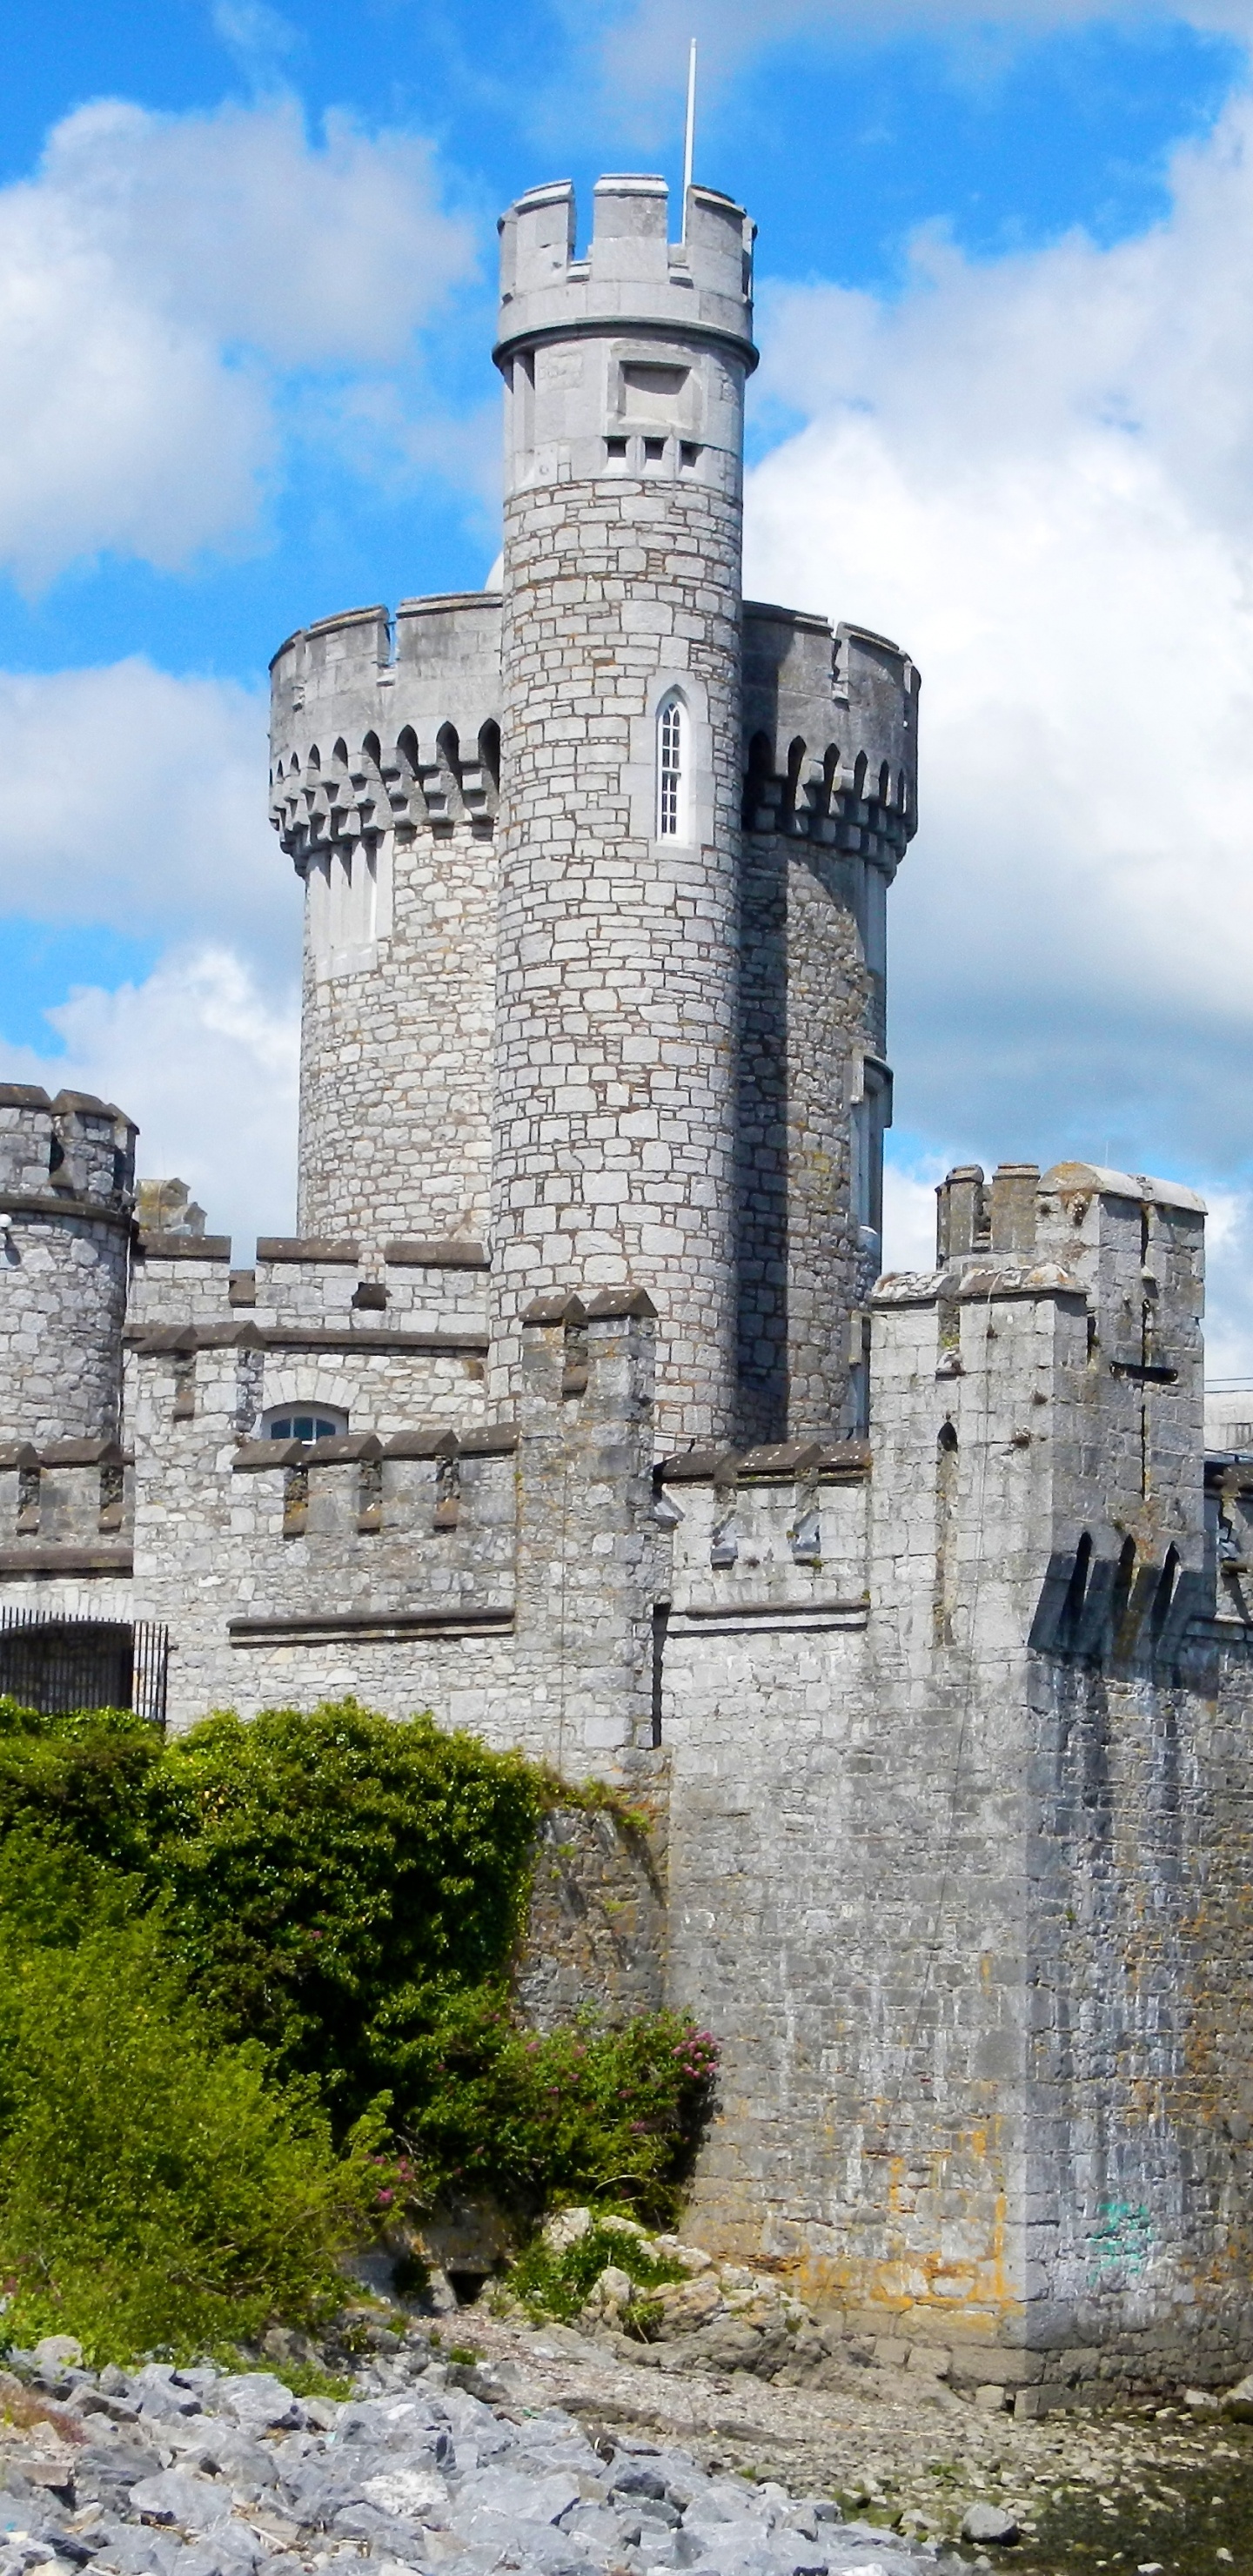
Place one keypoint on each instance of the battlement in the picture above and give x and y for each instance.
(59, 1154)
(633, 273)
(66, 1508)
(382, 725)
(831, 733)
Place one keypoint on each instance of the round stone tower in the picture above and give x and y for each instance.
(67, 1192)
(614, 1106)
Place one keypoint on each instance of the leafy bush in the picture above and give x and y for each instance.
(344, 1893)
(548, 2282)
(577, 2113)
(156, 2186)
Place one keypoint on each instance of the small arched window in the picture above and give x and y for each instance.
(305, 1422)
(672, 769)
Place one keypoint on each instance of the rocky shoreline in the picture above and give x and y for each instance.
(483, 2443)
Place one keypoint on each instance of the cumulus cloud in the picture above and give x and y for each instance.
(206, 1060)
(138, 800)
(157, 277)
(1038, 473)
(644, 43)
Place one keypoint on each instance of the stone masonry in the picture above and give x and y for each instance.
(909, 1613)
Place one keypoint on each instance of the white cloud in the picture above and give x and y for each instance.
(645, 45)
(1039, 474)
(139, 800)
(909, 1215)
(156, 276)
(206, 1061)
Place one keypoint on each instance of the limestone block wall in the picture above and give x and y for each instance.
(960, 1875)
(596, 1924)
(384, 786)
(503, 1576)
(67, 1172)
(830, 800)
(66, 1513)
(179, 1279)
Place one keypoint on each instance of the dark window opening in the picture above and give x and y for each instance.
(304, 1426)
(654, 450)
(489, 750)
(689, 452)
(661, 1622)
(616, 448)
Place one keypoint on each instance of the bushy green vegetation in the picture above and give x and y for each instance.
(157, 2187)
(555, 2282)
(226, 1960)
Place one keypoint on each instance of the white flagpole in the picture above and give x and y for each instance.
(689, 140)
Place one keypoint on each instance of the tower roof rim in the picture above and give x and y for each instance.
(655, 326)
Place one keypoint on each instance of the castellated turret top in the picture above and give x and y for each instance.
(632, 361)
(633, 273)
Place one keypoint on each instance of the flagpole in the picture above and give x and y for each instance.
(689, 139)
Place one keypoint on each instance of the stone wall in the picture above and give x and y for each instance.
(596, 1925)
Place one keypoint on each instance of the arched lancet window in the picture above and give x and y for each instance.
(672, 761)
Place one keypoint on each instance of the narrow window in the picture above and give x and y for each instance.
(671, 784)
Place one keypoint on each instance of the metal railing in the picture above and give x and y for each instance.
(54, 1665)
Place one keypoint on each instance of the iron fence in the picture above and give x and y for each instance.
(58, 1664)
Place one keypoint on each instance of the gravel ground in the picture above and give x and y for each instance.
(485, 2444)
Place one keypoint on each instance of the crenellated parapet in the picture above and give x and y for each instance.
(67, 1196)
(387, 726)
(831, 734)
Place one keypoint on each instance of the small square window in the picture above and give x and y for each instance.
(689, 452)
(615, 450)
(654, 450)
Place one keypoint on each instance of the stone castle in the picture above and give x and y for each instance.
(578, 1411)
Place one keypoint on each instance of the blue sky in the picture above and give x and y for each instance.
(1005, 411)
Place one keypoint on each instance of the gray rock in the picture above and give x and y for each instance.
(638, 2478)
(257, 2400)
(101, 2472)
(132, 2551)
(411, 2489)
(232, 2550)
(179, 2496)
(513, 2494)
(983, 2522)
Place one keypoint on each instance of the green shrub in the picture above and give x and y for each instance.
(331, 1876)
(157, 2188)
(548, 2283)
(345, 1892)
(577, 2113)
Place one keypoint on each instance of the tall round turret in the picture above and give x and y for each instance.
(67, 1185)
(385, 756)
(614, 1111)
